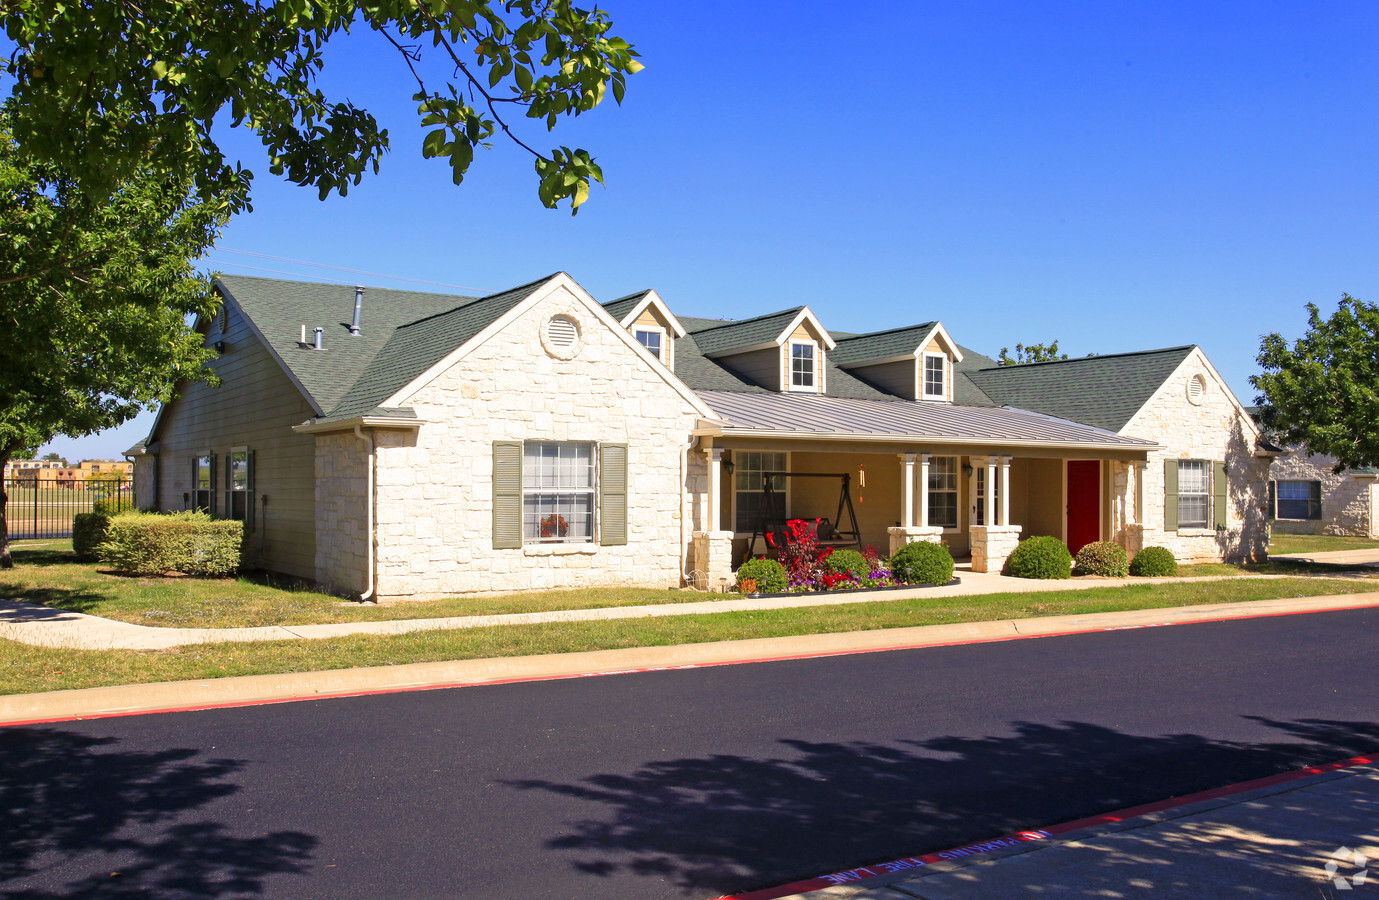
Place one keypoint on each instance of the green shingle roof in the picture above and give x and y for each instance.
(880, 344)
(623, 305)
(403, 333)
(720, 336)
(1104, 391)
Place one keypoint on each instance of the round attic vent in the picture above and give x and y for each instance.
(560, 337)
(1196, 390)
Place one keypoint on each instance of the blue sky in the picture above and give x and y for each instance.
(1116, 176)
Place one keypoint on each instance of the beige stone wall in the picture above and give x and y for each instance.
(341, 523)
(1214, 429)
(1347, 504)
(435, 488)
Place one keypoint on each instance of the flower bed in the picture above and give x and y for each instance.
(808, 568)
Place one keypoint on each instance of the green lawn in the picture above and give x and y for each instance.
(26, 669)
(47, 573)
(1318, 543)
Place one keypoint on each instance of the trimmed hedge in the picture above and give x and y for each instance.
(1154, 562)
(922, 562)
(847, 562)
(768, 575)
(1041, 557)
(88, 533)
(1101, 558)
(188, 542)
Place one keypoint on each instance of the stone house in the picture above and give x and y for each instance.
(410, 445)
(1306, 496)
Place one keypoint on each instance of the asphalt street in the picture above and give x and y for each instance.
(674, 784)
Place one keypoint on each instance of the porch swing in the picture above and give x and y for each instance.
(770, 518)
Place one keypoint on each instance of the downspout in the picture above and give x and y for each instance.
(368, 517)
(685, 508)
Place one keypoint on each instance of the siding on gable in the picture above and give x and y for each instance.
(761, 367)
(899, 378)
(254, 406)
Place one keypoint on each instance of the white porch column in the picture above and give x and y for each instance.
(712, 522)
(1005, 490)
(907, 481)
(991, 491)
(924, 489)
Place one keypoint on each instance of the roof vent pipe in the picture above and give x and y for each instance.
(302, 341)
(358, 308)
(320, 338)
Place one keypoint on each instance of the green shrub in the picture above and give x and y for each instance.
(1040, 557)
(922, 562)
(848, 562)
(1154, 562)
(768, 574)
(189, 542)
(1101, 558)
(88, 532)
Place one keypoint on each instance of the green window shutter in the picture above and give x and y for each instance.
(507, 495)
(612, 494)
(215, 485)
(1273, 501)
(1314, 500)
(1170, 495)
(1220, 510)
(249, 501)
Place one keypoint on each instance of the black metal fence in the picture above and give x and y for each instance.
(41, 508)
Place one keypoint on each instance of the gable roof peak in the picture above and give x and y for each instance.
(1183, 348)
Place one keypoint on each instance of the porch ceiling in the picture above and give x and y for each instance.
(815, 417)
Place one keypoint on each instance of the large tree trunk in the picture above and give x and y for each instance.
(5, 561)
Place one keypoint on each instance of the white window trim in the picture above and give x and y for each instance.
(947, 376)
(1207, 468)
(732, 499)
(957, 463)
(591, 542)
(1278, 497)
(818, 385)
(665, 339)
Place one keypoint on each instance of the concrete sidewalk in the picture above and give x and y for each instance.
(1368, 559)
(1292, 840)
(41, 626)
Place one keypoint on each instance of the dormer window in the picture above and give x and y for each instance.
(803, 365)
(653, 339)
(935, 376)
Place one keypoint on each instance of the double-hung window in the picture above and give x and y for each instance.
(943, 491)
(557, 492)
(201, 493)
(803, 365)
(935, 376)
(1299, 500)
(1194, 493)
(749, 482)
(239, 486)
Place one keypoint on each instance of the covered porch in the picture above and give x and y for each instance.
(977, 493)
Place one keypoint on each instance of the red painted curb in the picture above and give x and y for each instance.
(633, 671)
(1021, 837)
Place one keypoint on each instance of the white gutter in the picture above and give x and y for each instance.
(926, 439)
(368, 518)
(311, 426)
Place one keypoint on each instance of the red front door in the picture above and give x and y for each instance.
(1084, 502)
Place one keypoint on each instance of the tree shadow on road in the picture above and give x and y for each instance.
(723, 823)
(123, 812)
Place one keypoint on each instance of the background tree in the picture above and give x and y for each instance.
(54, 457)
(1034, 353)
(1322, 392)
(94, 300)
(169, 67)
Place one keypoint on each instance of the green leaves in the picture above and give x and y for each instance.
(105, 89)
(1320, 391)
